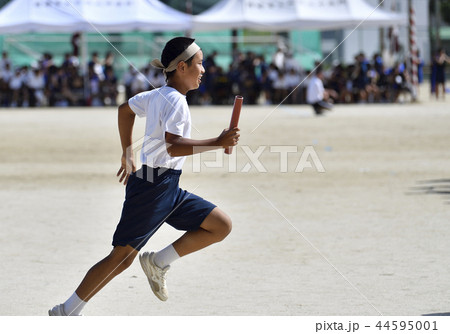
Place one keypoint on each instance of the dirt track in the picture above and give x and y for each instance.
(367, 236)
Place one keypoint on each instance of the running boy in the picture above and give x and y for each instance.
(152, 193)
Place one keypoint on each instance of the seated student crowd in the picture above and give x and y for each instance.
(281, 80)
(46, 84)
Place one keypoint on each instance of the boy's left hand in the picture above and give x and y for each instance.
(229, 137)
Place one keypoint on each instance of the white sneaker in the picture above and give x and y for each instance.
(156, 276)
(57, 311)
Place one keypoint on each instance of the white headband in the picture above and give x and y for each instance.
(185, 55)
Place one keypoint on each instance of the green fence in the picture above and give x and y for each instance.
(139, 48)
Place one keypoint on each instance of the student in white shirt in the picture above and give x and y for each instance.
(316, 95)
(35, 83)
(153, 196)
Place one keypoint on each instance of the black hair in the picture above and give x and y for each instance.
(173, 49)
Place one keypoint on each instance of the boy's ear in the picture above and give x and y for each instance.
(181, 67)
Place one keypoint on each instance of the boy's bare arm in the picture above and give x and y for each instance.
(126, 122)
(178, 146)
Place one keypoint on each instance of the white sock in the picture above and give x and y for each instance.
(74, 305)
(166, 256)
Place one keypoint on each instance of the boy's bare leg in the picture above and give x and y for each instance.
(215, 227)
(104, 271)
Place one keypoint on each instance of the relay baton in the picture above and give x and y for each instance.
(235, 117)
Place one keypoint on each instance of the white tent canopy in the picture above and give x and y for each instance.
(152, 15)
(370, 16)
(21, 16)
(282, 15)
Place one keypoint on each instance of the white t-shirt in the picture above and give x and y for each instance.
(35, 81)
(166, 110)
(16, 82)
(315, 90)
(292, 80)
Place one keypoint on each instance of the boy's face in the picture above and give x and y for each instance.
(194, 72)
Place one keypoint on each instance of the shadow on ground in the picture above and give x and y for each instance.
(432, 187)
(444, 314)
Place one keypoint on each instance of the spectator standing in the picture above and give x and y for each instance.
(76, 42)
(420, 65)
(279, 58)
(440, 60)
(5, 92)
(5, 61)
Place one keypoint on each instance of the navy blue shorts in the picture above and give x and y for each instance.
(153, 198)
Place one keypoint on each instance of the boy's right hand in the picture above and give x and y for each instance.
(126, 169)
(229, 137)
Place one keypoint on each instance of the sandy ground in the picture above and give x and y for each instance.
(368, 236)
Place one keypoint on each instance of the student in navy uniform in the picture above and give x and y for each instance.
(440, 60)
(153, 196)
